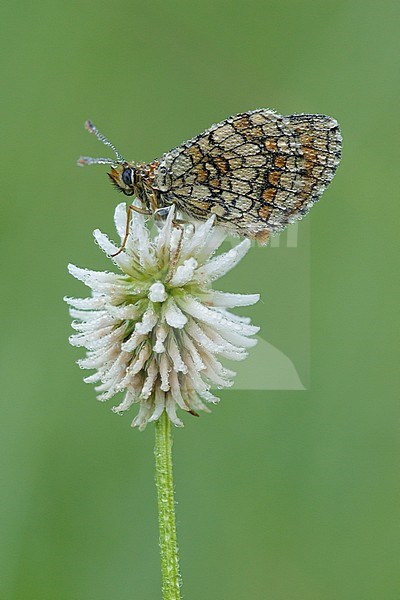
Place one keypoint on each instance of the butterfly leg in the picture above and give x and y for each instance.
(131, 208)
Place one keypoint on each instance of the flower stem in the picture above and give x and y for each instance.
(171, 580)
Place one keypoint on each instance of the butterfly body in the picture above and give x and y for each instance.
(256, 171)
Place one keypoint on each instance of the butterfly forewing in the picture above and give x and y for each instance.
(257, 171)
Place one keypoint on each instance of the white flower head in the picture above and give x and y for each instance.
(156, 330)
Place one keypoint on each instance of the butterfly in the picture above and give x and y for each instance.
(256, 171)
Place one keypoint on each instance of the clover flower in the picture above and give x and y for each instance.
(156, 330)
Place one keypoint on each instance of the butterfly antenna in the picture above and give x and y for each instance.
(87, 160)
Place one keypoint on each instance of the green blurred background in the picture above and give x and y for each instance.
(285, 495)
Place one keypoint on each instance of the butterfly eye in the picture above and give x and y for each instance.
(127, 176)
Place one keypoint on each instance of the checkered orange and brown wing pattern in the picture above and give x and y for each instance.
(257, 171)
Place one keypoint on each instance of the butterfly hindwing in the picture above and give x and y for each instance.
(257, 171)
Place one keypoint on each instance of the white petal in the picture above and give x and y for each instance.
(170, 407)
(232, 300)
(126, 403)
(104, 242)
(86, 303)
(100, 339)
(117, 370)
(208, 396)
(198, 239)
(86, 315)
(80, 339)
(140, 244)
(174, 353)
(133, 342)
(103, 321)
(122, 259)
(214, 342)
(233, 355)
(87, 275)
(137, 363)
(157, 292)
(148, 322)
(143, 415)
(200, 387)
(220, 265)
(152, 373)
(197, 381)
(135, 385)
(159, 405)
(204, 240)
(214, 318)
(95, 361)
(92, 378)
(188, 346)
(102, 282)
(164, 237)
(215, 368)
(175, 390)
(159, 347)
(120, 219)
(195, 402)
(214, 240)
(235, 339)
(173, 315)
(232, 316)
(164, 368)
(130, 312)
(198, 334)
(161, 336)
(184, 273)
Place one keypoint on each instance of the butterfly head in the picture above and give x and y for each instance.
(123, 177)
(123, 173)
